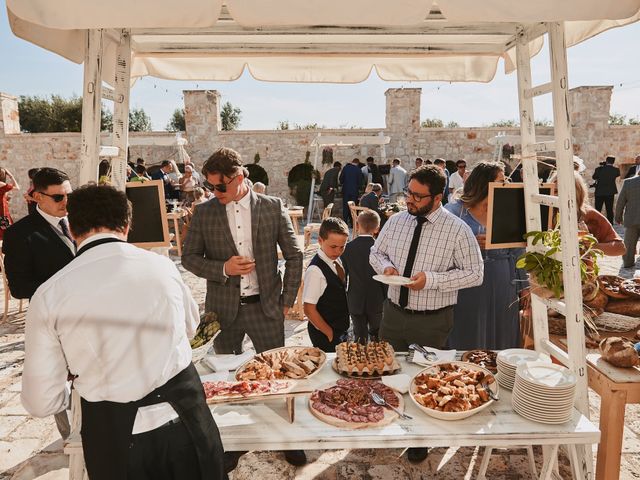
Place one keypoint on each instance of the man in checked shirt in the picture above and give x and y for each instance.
(440, 255)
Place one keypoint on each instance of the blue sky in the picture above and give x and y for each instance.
(612, 58)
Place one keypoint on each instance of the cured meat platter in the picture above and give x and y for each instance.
(347, 404)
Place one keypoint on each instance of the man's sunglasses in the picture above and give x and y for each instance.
(220, 187)
(56, 197)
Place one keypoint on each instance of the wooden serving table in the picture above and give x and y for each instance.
(296, 214)
(617, 387)
(264, 425)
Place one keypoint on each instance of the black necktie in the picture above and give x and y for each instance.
(65, 230)
(411, 258)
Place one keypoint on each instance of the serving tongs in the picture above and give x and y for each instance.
(379, 400)
(428, 355)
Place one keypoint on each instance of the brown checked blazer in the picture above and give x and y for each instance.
(209, 244)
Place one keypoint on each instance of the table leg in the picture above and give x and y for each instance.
(532, 461)
(482, 470)
(611, 430)
(176, 228)
(550, 461)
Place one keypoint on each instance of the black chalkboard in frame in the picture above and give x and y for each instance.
(506, 220)
(149, 227)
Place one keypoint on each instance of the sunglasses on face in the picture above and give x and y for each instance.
(56, 197)
(220, 187)
(416, 196)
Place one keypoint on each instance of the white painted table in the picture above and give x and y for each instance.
(265, 426)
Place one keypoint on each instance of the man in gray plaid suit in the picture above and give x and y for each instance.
(232, 242)
(629, 203)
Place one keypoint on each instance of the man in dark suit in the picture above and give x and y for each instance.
(365, 296)
(629, 205)
(233, 242)
(634, 169)
(171, 191)
(371, 201)
(329, 185)
(605, 177)
(350, 179)
(40, 244)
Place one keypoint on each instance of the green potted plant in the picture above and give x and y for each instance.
(546, 272)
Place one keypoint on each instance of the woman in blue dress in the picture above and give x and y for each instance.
(487, 316)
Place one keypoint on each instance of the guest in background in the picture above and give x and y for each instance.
(629, 203)
(488, 316)
(329, 184)
(634, 169)
(139, 174)
(104, 173)
(28, 196)
(442, 165)
(325, 284)
(365, 296)
(350, 179)
(397, 181)
(260, 187)
(199, 197)
(372, 200)
(371, 172)
(7, 183)
(457, 178)
(595, 223)
(419, 162)
(187, 184)
(171, 192)
(605, 176)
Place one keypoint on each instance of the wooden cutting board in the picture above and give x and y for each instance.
(389, 415)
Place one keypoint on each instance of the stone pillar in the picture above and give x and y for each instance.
(403, 109)
(9, 116)
(589, 110)
(202, 122)
(403, 123)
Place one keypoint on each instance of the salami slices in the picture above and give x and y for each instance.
(348, 403)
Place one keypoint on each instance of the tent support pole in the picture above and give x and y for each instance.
(121, 111)
(569, 230)
(313, 183)
(91, 107)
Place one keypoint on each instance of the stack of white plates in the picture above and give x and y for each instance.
(543, 392)
(507, 361)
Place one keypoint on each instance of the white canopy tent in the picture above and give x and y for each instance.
(338, 41)
(341, 141)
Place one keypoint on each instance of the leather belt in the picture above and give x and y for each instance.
(249, 299)
(419, 312)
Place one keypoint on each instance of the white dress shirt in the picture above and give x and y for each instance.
(448, 253)
(455, 181)
(118, 317)
(239, 216)
(397, 179)
(55, 224)
(315, 282)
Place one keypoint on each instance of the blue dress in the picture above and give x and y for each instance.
(487, 316)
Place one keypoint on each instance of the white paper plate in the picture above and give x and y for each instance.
(392, 279)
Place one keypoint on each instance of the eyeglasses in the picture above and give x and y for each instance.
(56, 197)
(220, 187)
(416, 196)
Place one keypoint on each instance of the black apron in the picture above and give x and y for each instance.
(106, 426)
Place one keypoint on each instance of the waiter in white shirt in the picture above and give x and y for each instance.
(119, 319)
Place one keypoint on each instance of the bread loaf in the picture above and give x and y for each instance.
(599, 301)
(619, 352)
(630, 307)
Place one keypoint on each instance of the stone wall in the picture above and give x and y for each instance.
(280, 150)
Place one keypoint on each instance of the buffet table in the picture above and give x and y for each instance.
(617, 387)
(245, 427)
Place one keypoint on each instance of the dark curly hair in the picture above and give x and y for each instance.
(93, 207)
(431, 176)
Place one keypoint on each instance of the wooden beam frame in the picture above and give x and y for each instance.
(91, 107)
(121, 111)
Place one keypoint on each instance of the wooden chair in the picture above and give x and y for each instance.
(310, 228)
(355, 211)
(7, 292)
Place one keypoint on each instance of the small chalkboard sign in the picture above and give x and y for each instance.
(149, 227)
(506, 220)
